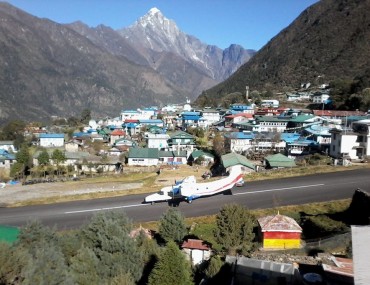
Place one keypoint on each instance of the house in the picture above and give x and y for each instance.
(6, 159)
(210, 116)
(181, 141)
(272, 123)
(351, 144)
(134, 115)
(320, 134)
(279, 232)
(231, 159)
(268, 141)
(278, 161)
(205, 157)
(301, 146)
(235, 119)
(143, 156)
(159, 141)
(72, 146)
(242, 108)
(197, 251)
(270, 103)
(151, 122)
(190, 119)
(238, 141)
(319, 98)
(124, 142)
(8, 146)
(116, 135)
(172, 157)
(132, 127)
(51, 140)
(299, 122)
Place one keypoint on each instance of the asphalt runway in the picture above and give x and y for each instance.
(253, 195)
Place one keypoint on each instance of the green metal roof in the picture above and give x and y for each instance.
(182, 135)
(143, 153)
(232, 159)
(197, 153)
(280, 160)
(302, 118)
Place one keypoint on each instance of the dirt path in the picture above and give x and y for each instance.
(13, 194)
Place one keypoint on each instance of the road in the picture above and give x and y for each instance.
(253, 195)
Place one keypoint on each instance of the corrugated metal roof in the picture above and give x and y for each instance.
(280, 160)
(44, 136)
(195, 244)
(143, 153)
(278, 223)
(232, 159)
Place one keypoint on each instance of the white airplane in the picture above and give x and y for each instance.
(189, 190)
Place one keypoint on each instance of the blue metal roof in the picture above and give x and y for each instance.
(44, 136)
(154, 121)
(289, 137)
(190, 113)
(240, 135)
(191, 118)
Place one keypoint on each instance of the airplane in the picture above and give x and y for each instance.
(188, 189)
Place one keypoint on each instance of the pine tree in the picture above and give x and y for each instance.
(108, 236)
(47, 268)
(84, 267)
(172, 225)
(235, 228)
(171, 268)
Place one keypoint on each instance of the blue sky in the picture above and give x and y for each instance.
(250, 23)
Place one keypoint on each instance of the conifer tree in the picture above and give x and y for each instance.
(84, 267)
(107, 235)
(172, 225)
(171, 268)
(235, 228)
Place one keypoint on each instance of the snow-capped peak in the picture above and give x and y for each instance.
(153, 11)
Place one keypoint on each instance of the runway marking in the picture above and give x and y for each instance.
(280, 189)
(104, 209)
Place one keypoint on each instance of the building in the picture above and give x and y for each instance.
(143, 156)
(351, 144)
(278, 161)
(51, 140)
(159, 141)
(197, 251)
(279, 232)
(238, 141)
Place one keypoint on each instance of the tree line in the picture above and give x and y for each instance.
(105, 251)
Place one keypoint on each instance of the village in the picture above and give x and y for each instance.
(259, 138)
(263, 137)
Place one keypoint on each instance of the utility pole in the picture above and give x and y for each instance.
(247, 93)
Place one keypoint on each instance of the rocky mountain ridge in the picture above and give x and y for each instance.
(329, 40)
(50, 69)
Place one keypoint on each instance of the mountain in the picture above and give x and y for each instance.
(53, 69)
(329, 40)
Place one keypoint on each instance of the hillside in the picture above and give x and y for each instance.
(50, 69)
(329, 40)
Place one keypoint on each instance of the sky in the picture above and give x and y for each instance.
(249, 23)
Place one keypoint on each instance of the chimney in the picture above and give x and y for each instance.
(247, 93)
